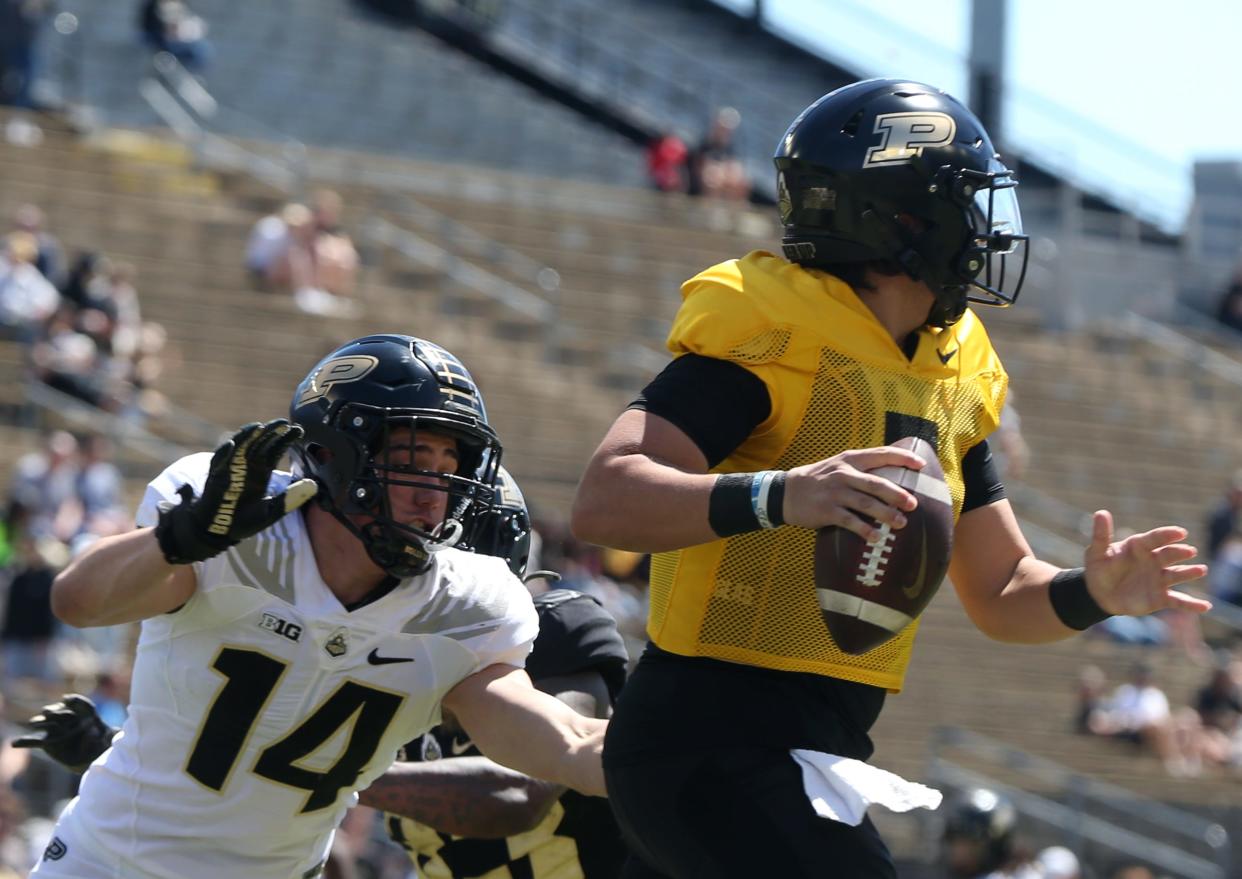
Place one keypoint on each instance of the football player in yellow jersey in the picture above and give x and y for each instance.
(790, 379)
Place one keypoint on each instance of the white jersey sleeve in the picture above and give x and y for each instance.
(190, 470)
(480, 604)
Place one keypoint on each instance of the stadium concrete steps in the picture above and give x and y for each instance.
(1026, 696)
(319, 70)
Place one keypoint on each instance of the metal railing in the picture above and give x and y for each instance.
(186, 107)
(1193, 352)
(426, 253)
(467, 241)
(1083, 810)
(125, 431)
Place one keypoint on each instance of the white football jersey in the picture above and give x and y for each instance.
(260, 707)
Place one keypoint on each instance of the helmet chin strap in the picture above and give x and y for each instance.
(445, 535)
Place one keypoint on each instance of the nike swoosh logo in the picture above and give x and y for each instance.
(912, 591)
(459, 747)
(375, 659)
(946, 356)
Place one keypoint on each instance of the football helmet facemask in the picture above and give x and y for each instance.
(350, 405)
(900, 172)
(504, 529)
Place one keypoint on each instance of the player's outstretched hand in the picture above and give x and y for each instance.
(71, 732)
(234, 504)
(1135, 576)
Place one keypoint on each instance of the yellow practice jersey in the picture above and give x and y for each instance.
(836, 381)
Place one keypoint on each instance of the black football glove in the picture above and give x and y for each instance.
(70, 732)
(234, 504)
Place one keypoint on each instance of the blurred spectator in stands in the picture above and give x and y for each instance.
(15, 849)
(334, 249)
(1225, 575)
(28, 621)
(146, 365)
(70, 361)
(1057, 862)
(715, 170)
(44, 486)
(99, 487)
(89, 270)
(50, 259)
(171, 26)
(20, 22)
(123, 309)
(1091, 681)
(1229, 312)
(1132, 870)
(1224, 519)
(111, 697)
(267, 242)
(326, 208)
(317, 265)
(26, 297)
(1219, 706)
(1138, 711)
(667, 163)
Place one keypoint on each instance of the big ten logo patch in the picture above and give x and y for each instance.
(284, 628)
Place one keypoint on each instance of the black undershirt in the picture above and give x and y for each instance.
(718, 404)
(385, 586)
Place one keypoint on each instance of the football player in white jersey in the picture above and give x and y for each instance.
(456, 813)
(284, 659)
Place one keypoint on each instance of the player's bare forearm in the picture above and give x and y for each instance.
(120, 579)
(645, 490)
(1021, 612)
(528, 730)
(465, 796)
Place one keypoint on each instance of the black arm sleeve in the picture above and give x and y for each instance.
(981, 478)
(577, 634)
(714, 402)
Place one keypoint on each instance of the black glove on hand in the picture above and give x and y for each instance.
(234, 504)
(70, 732)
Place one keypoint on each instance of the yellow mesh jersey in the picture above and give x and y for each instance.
(835, 378)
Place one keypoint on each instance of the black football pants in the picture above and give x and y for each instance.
(735, 813)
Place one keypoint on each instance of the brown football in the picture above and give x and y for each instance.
(869, 592)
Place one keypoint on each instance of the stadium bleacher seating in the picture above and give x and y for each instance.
(1098, 438)
(1113, 419)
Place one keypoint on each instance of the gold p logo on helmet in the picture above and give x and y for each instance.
(904, 136)
(333, 372)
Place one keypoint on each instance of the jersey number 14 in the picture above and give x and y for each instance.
(250, 679)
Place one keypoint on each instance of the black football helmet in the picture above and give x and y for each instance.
(504, 529)
(900, 172)
(986, 819)
(348, 405)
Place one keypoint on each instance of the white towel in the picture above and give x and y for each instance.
(841, 789)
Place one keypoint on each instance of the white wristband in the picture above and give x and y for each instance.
(760, 490)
